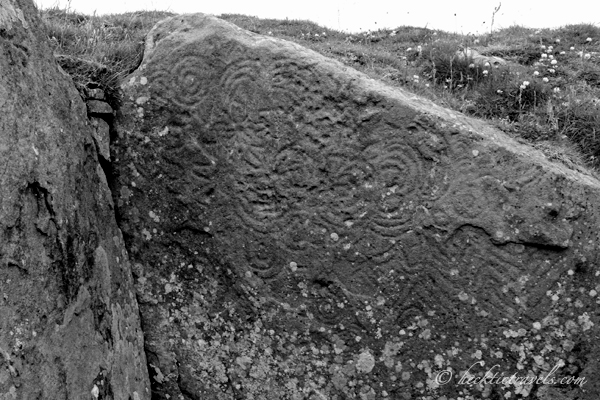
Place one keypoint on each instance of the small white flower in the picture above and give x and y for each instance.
(522, 87)
(556, 90)
(487, 64)
(563, 53)
(416, 77)
(499, 91)
(571, 48)
(419, 49)
(542, 47)
(536, 73)
(588, 39)
(587, 56)
(471, 65)
(552, 70)
(546, 80)
(550, 56)
(485, 72)
(544, 55)
(409, 49)
(525, 83)
(476, 41)
(550, 48)
(554, 62)
(557, 40)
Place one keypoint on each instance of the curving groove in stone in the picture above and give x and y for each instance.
(302, 231)
(69, 319)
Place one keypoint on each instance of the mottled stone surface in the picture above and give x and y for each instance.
(301, 231)
(69, 320)
(99, 108)
(101, 131)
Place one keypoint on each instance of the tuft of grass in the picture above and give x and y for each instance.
(546, 90)
(98, 51)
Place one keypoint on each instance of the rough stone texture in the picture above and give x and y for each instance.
(300, 231)
(102, 137)
(99, 108)
(69, 320)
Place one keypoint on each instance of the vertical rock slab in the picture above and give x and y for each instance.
(69, 320)
(301, 231)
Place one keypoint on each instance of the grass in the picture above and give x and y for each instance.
(547, 91)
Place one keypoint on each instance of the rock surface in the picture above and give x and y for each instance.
(300, 231)
(69, 320)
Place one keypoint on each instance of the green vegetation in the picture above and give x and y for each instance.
(546, 92)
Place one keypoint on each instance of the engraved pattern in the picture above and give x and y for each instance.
(264, 259)
(242, 90)
(397, 177)
(187, 82)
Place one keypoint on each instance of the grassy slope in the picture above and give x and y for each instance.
(548, 93)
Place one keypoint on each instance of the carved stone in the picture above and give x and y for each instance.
(301, 231)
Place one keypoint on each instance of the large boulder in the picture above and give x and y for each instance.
(69, 320)
(302, 231)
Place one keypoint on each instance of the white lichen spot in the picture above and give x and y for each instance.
(293, 266)
(153, 215)
(334, 236)
(168, 288)
(570, 272)
(584, 321)
(537, 326)
(143, 80)
(347, 246)
(365, 362)
(147, 234)
(475, 153)
(539, 360)
(439, 360)
(462, 296)
(164, 131)
(593, 293)
(426, 334)
(141, 100)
